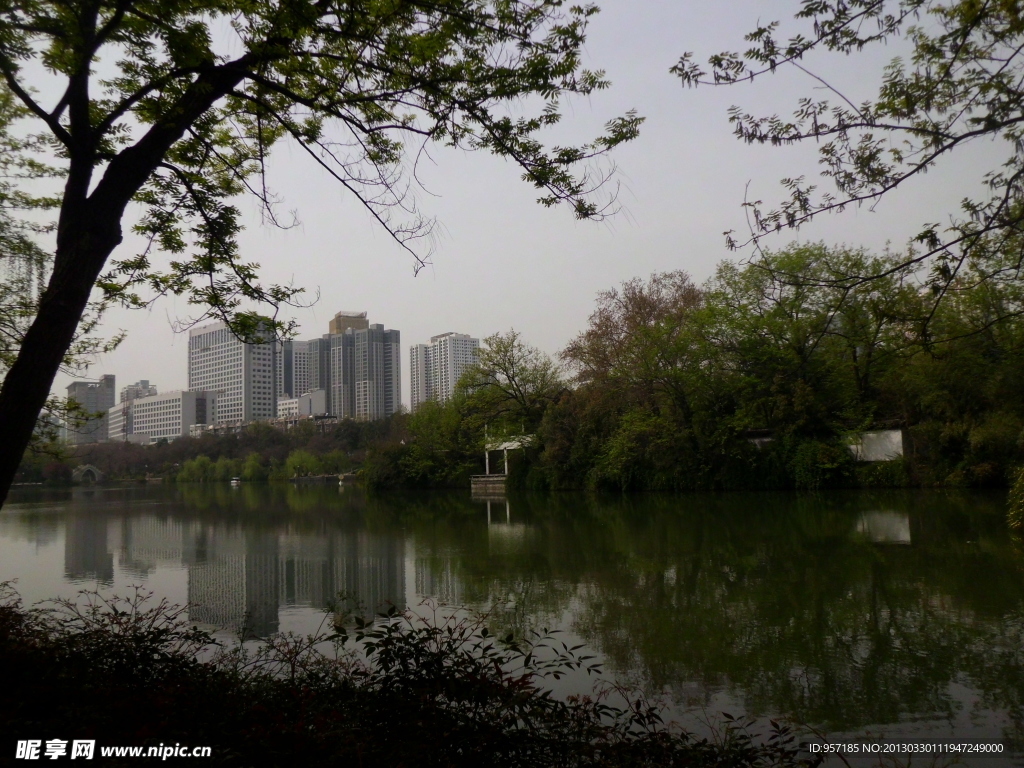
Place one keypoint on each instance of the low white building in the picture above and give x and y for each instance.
(119, 422)
(310, 404)
(172, 414)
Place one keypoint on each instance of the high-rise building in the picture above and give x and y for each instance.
(357, 365)
(344, 320)
(435, 369)
(319, 355)
(242, 375)
(292, 368)
(141, 388)
(420, 389)
(93, 400)
(377, 373)
(342, 375)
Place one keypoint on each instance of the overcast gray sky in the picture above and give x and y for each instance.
(502, 261)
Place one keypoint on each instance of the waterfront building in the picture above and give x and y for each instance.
(172, 414)
(435, 369)
(93, 399)
(242, 375)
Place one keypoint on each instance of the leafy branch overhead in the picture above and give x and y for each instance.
(961, 82)
(176, 105)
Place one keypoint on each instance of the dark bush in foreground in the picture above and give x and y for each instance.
(398, 691)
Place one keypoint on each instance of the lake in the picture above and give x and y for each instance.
(895, 613)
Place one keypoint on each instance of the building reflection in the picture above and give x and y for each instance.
(86, 554)
(240, 577)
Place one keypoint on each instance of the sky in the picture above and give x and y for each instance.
(502, 261)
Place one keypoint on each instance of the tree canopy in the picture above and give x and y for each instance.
(960, 83)
(175, 106)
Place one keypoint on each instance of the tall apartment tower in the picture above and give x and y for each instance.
(319, 356)
(93, 398)
(420, 389)
(435, 369)
(242, 375)
(377, 373)
(366, 373)
(344, 320)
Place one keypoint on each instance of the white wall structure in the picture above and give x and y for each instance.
(435, 369)
(119, 422)
(883, 445)
(243, 375)
(309, 404)
(172, 414)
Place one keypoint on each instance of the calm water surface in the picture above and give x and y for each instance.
(895, 613)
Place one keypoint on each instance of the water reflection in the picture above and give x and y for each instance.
(885, 527)
(775, 604)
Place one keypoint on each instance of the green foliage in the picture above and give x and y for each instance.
(335, 462)
(302, 463)
(438, 71)
(225, 469)
(960, 82)
(511, 386)
(818, 465)
(253, 468)
(198, 470)
(446, 693)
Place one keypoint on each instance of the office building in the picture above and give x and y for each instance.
(141, 388)
(119, 422)
(172, 414)
(242, 375)
(93, 400)
(435, 368)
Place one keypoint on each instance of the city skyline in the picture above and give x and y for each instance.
(501, 261)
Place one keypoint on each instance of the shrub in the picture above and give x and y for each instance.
(819, 465)
(412, 692)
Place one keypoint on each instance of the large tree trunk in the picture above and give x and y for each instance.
(81, 253)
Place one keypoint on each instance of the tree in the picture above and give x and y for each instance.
(511, 385)
(960, 83)
(175, 105)
(640, 341)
